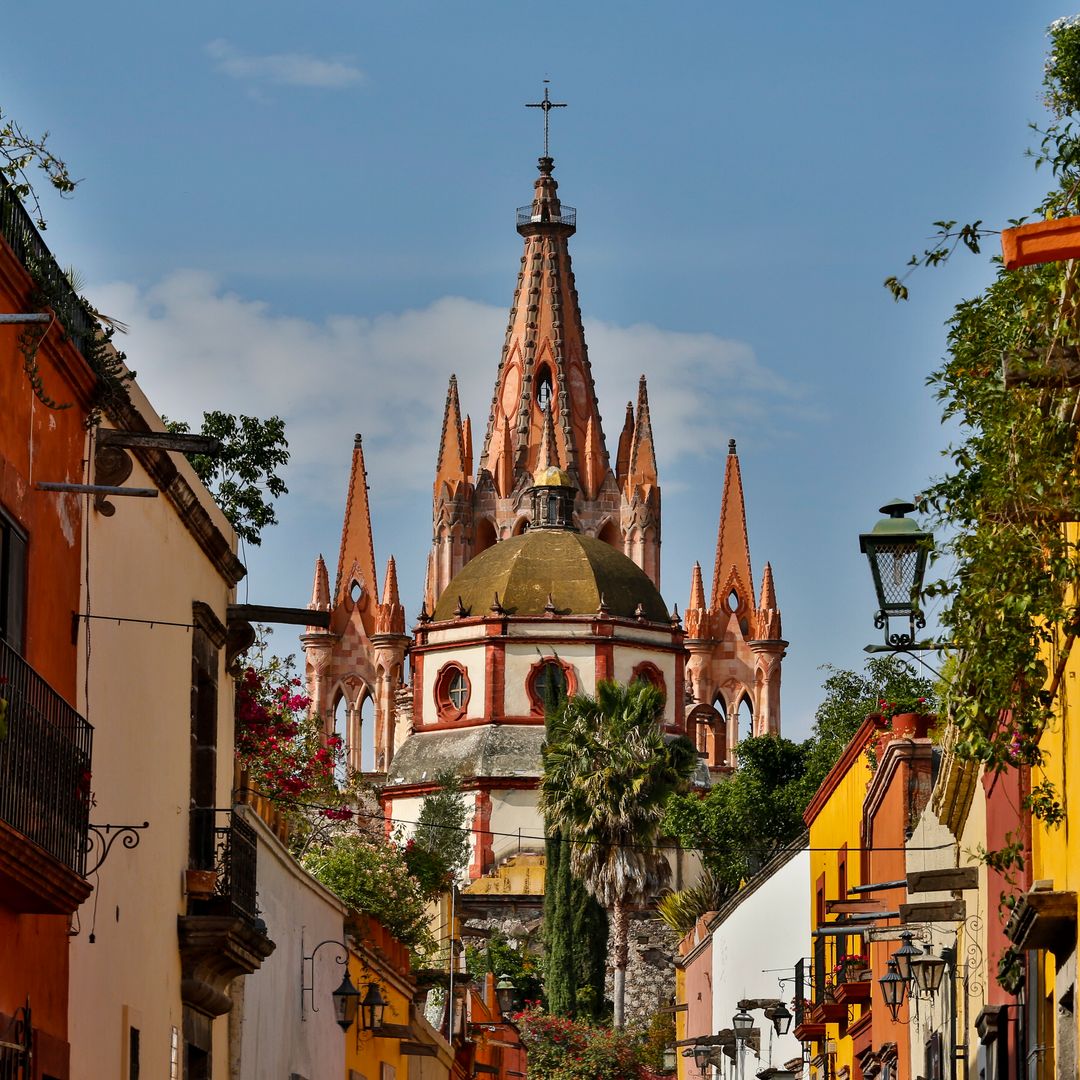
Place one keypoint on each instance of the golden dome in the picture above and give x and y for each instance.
(552, 476)
(575, 571)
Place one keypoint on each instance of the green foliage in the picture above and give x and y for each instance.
(659, 1036)
(371, 876)
(20, 152)
(743, 821)
(499, 957)
(1061, 77)
(560, 970)
(608, 772)
(562, 1049)
(442, 833)
(243, 479)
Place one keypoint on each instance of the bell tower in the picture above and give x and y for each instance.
(544, 378)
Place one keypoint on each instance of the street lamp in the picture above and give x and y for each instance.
(897, 549)
(905, 954)
(893, 985)
(507, 994)
(927, 970)
(743, 1023)
(372, 1008)
(346, 1000)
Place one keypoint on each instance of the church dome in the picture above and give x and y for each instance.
(575, 571)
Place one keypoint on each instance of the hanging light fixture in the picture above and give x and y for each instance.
(927, 970)
(893, 985)
(702, 1054)
(346, 1000)
(781, 1018)
(372, 1008)
(905, 954)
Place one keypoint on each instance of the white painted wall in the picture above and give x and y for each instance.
(769, 929)
(277, 1037)
(473, 658)
(510, 811)
(522, 658)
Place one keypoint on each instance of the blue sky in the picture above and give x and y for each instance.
(310, 212)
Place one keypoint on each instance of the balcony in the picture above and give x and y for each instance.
(221, 936)
(18, 229)
(567, 215)
(45, 758)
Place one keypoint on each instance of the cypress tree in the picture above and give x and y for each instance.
(560, 966)
(590, 948)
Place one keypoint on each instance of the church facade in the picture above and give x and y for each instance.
(543, 577)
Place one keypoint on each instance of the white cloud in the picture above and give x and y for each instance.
(198, 347)
(282, 69)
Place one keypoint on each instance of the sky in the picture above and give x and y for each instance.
(309, 211)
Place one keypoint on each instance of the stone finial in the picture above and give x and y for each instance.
(603, 611)
(639, 612)
(461, 611)
(425, 616)
(549, 607)
(497, 608)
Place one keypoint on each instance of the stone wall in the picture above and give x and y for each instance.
(650, 971)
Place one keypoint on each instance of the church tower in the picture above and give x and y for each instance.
(355, 668)
(735, 643)
(544, 376)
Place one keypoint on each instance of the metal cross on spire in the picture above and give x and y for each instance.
(547, 105)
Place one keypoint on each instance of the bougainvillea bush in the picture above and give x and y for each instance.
(283, 750)
(562, 1049)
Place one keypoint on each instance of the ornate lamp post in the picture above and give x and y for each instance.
(372, 1008)
(346, 1000)
(897, 550)
(927, 970)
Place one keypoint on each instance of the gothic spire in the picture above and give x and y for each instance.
(697, 590)
(451, 467)
(626, 438)
(642, 467)
(320, 589)
(390, 615)
(357, 555)
(544, 367)
(731, 572)
(768, 615)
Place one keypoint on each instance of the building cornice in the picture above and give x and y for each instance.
(852, 752)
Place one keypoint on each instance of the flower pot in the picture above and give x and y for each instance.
(1041, 242)
(911, 725)
(200, 884)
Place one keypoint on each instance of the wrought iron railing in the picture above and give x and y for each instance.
(567, 216)
(18, 229)
(231, 851)
(45, 756)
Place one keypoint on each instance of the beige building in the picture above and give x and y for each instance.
(173, 919)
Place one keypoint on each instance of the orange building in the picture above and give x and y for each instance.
(45, 745)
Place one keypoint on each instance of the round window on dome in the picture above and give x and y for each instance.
(452, 692)
(550, 682)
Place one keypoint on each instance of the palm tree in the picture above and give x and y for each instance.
(608, 770)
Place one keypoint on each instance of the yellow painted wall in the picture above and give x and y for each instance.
(369, 1054)
(836, 824)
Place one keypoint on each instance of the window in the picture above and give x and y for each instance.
(452, 691)
(12, 583)
(549, 683)
(543, 389)
(649, 673)
(133, 1053)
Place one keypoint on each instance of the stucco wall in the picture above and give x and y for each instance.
(278, 1037)
(748, 963)
(143, 564)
